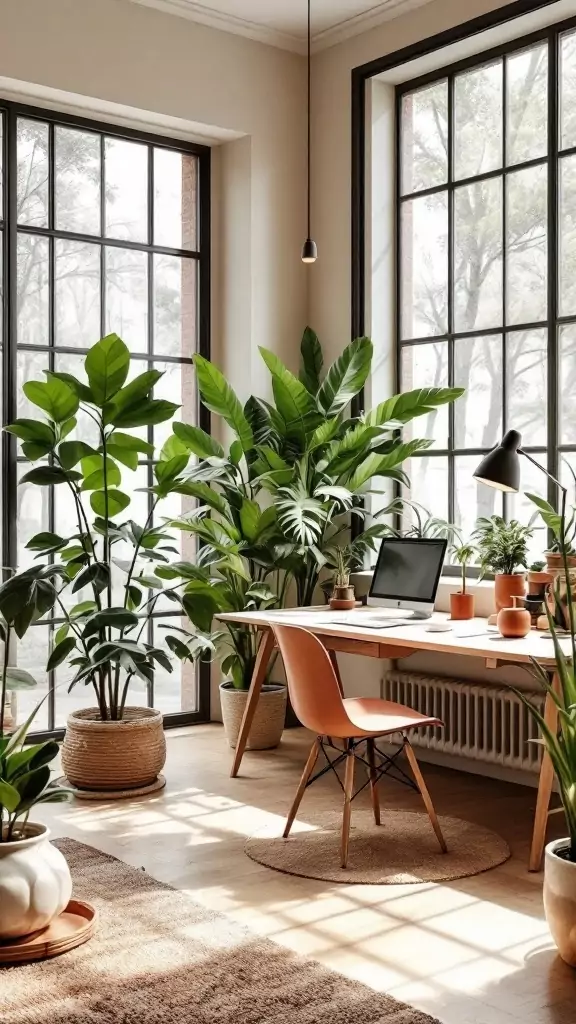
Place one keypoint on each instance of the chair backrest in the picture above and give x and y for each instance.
(312, 682)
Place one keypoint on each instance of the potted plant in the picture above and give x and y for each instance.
(538, 578)
(111, 746)
(554, 558)
(503, 549)
(35, 882)
(462, 602)
(342, 598)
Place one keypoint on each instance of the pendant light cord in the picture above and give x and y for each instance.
(309, 120)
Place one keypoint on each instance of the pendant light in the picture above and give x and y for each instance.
(309, 250)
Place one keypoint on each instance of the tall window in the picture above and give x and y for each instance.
(103, 230)
(487, 259)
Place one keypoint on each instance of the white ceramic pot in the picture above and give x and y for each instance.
(35, 883)
(560, 900)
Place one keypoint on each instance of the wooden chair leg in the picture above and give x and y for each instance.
(424, 794)
(258, 676)
(312, 758)
(348, 793)
(545, 783)
(373, 781)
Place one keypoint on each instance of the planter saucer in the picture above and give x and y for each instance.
(74, 926)
(114, 794)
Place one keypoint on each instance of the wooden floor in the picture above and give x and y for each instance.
(475, 951)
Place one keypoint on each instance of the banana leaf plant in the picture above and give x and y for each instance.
(105, 590)
(305, 456)
(24, 771)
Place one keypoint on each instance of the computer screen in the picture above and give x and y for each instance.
(408, 569)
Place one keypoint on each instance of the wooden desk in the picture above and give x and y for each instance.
(401, 642)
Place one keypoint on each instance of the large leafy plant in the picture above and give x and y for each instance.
(106, 588)
(24, 771)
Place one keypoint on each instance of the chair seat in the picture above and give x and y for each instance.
(371, 716)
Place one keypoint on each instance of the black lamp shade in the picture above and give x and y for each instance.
(501, 467)
(309, 251)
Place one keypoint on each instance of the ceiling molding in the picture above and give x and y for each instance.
(204, 15)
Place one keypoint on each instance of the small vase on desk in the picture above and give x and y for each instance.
(514, 622)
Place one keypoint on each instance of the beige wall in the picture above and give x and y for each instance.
(115, 52)
(331, 154)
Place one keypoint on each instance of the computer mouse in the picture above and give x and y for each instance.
(438, 627)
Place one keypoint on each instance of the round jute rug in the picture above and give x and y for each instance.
(403, 849)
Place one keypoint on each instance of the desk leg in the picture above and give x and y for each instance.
(544, 788)
(258, 676)
(335, 666)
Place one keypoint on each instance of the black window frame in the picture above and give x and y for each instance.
(360, 76)
(201, 254)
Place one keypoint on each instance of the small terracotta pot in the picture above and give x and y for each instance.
(514, 622)
(555, 561)
(560, 900)
(508, 586)
(342, 599)
(537, 581)
(461, 606)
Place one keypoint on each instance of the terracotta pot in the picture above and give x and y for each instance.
(557, 598)
(508, 586)
(514, 622)
(113, 755)
(560, 899)
(461, 606)
(555, 561)
(268, 723)
(35, 883)
(537, 582)
(342, 598)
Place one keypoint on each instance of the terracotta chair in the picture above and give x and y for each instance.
(357, 721)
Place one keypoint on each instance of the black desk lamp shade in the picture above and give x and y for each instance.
(501, 467)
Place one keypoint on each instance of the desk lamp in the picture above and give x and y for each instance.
(501, 467)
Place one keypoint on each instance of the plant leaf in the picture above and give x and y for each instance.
(60, 652)
(198, 441)
(221, 399)
(107, 365)
(55, 397)
(404, 407)
(117, 502)
(311, 361)
(346, 377)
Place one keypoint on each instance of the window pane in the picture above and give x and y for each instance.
(527, 104)
(127, 296)
(567, 378)
(77, 293)
(32, 655)
(527, 250)
(425, 137)
(424, 266)
(428, 476)
(478, 413)
(32, 158)
(29, 366)
(568, 90)
(176, 691)
(567, 460)
(426, 366)
(32, 287)
(33, 505)
(77, 180)
(126, 173)
(521, 508)
(472, 498)
(567, 232)
(526, 353)
(478, 255)
(478, 121)
(177, 385)
(175, 199)
(175, 306)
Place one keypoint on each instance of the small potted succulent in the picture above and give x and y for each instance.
(462, 602)
(35, 882)
(503, 549)
(342, 598)
(538, 578)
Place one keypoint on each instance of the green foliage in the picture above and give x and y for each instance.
(104, 642)
(463, 554)
(503, 546)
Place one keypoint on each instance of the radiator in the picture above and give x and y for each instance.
(481, 722)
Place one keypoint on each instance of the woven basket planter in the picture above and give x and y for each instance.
(268, 723)
(113, 755)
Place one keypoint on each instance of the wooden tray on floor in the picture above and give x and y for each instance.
(74, 926)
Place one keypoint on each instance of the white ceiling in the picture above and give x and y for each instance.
(283, 22)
